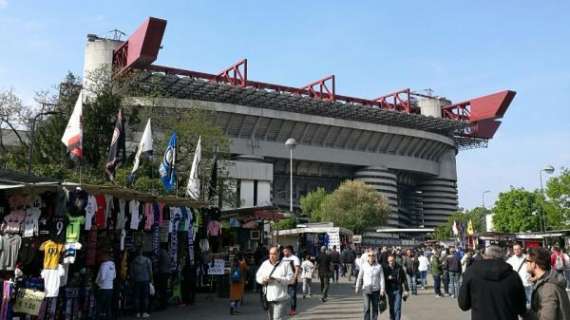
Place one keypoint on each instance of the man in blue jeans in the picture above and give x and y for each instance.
(291, 258)
(396, 287)
(454, 269)
(411, 265)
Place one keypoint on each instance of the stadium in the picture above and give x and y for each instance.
(404, 144)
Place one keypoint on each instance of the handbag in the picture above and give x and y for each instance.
(151, 289)
(264, 302)
(382, 304)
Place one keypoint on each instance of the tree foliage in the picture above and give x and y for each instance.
(355, 206)
(518, 210)
(312, 202)
(558, 192)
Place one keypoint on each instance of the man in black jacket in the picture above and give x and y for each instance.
(454, 270)
(395, 279)
(324, 266)
(492, 289)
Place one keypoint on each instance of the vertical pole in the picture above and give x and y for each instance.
(542, 202)
(32, 140)
(291, 180)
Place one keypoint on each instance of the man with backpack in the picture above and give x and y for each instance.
(557, 261)
(518, 262)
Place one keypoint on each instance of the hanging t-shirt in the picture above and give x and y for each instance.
(73, 229)
(44, 225)
(9, 256)
(100, 213)
(122, 241)
(135, 215)
(121, 218)
(148, 216)
(52, 253)
(57, 227)
(70, 252)
(31, 222)
(13, 221)
(52, 280)
(90, 211)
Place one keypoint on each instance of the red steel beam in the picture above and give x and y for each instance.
(235, 75)
(491, 106)
(141, 48)
(397, 101)
(319, 89)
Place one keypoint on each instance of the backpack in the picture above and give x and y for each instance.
(236, 275)
(559, 264)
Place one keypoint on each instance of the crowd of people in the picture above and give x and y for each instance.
(497, 283)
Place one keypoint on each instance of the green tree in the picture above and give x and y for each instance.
(355, 206)
(558, 191)
(312, 202)
(518, 210)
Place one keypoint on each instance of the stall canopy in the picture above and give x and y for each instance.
(15, 180)
(296, 231)
(254, 213)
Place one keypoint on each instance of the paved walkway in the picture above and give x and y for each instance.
(343, 304)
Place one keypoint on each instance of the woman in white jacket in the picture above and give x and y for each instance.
(371, 280)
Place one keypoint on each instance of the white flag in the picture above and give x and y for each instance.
(145, 146)
(73, 135)
(193, 188)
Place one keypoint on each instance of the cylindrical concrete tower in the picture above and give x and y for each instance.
(386, 183)
(98, 64)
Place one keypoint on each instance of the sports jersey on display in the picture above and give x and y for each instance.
(52, 253)
(73, 229)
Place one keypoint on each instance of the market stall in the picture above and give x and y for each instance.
(309, 238)
(54, 237)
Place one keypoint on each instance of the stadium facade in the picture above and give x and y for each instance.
(403, 144)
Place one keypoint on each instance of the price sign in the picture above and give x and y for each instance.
(217, 268)
(29, 301)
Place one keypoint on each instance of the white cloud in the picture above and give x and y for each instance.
(3, 4)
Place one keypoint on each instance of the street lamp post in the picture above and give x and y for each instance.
(483, 197)
(291, 143)
(32, 137)
(550, 170)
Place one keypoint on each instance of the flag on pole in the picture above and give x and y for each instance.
(470, 230)
(167, 169)
(117, 149)
(73, 136)
(213, 185)
(454, 228)
(144, 149)
(193, 187)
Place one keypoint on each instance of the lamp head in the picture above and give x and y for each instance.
(548, 169)
(291, 143)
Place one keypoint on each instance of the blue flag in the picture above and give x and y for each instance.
(167, 169)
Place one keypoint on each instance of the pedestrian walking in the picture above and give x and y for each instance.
(238, 275)
(290, 257)
(371, 280)
(423, 267)
(436, 272)
(307, 271)
(105, 277)
(549, 298)
(567, 270)
(445, 274)
(558, 262)
(396, 287)
(324, 266)
(275, 276)
(141, 275)
(492, 289)
(335, 260)
(519, 264)
(454, 270)
(411, 264)
(348, 256)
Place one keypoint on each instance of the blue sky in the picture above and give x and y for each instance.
(460, 49)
